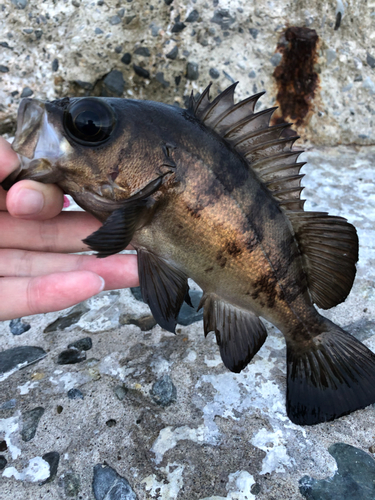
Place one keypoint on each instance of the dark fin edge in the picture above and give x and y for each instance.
(333, 378)
(164, 288)
(329, 246)
(239, 333)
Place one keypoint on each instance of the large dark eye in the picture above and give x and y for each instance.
(89, 121)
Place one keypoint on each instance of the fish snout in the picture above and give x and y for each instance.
(29, 122)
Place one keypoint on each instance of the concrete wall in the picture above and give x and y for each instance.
(151, 50)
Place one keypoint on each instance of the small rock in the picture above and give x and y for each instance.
(354, 477)
(129, 19)
(20, 357)
(111, 422)
(55, 64)
(255, 489)
(114, 82)
(18, 327)
(28, 31)
(136, 292)
(164, 392)
(358, 78)
(370, 60)
(9, 404)
(98, 31)
(52, 458)
(254, 32)
(4, 69)
(3, 445)
(252, 74)
(168, 2)
(20, 4)
(189, 315)
(38, 34)
(84, 344)
(26, 92)
(120, 392)
(178, 27)
(141, 71)
(160, 78)
(3, 462)
(276, 59)
(126, 58)
(173, 53)
(145, 323)
(192, 17)
(154, 29)
(118, 49)
(223, 18)
(86, 86)
(121, 12)
(71, 357)
(330, 55)
(71, 484)
(31, 420)
(214, 73)
(108, 485)
(142, 51)
(70, 319)
(192, 72)
(114, 20)
(75, 3)
(372, 449)
(228, 77)
(75, 394)
(5, 45)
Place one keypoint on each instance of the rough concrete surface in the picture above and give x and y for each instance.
(221, 435)
(164, 49)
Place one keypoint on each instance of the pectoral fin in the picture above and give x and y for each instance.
(163, 288)
(239, 333)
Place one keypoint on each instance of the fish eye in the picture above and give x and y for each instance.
(89, 121)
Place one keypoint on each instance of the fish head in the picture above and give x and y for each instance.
(101, 151)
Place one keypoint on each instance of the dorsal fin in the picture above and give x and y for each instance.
(330, 271)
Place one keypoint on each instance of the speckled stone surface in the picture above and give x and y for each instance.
(162, 50)
(226, 436)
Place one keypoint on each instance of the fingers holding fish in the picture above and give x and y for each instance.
(33, 200)
(118, 271)
(42, 294)
(63, 233)
(8, 159)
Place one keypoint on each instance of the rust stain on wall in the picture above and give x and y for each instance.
(296, 79)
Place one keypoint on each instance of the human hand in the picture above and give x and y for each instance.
(37, 274)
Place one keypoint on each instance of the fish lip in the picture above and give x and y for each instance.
(29, 116)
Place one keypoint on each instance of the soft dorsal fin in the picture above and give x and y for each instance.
(329, 244)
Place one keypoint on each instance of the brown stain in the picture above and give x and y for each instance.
(297, 81)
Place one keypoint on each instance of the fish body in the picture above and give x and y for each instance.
(212, 193)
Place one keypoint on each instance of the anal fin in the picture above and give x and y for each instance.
(164, 288)
(239, 333)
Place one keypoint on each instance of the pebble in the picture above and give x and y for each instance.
(75, 394)
(223, 18)
(86, 86)
(9, 404)
(173, 53)
(214, 73)
(168, 2)
(164, 392)
(254, 32)
(55, 64)
(192, 17)
(114, 20)
(3, 462)
(108, 485)
(52, 458)
(120, 392)
(192, 72)
(31, 420)
(98, 31)
(178, 27)
(114, 82)
(71, 357)
(38, 34)
(3, 69)
(71, 484)
(276, 59)
(28, 31)
(17, 326)
(145, 323)
(126, 58)
(111, 422)
(141, 71)
(354, 477)
(20, 4)
(189, 315)
(22, 355)
(136, 292)
(160, 78)
(142, 51)
(26, 92)
(370, 60)
(3, 445)
(84, 344)
(118, 49)
(252, 74)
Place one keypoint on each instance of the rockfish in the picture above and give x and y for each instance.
(212, 193)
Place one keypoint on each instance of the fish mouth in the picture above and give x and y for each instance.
(36, 138)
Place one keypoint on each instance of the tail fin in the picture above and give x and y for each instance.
(336, 376)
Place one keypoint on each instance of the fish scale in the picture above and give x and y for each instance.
(212, 193)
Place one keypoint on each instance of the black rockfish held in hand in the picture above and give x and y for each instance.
(212, 193)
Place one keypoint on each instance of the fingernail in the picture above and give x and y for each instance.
(66, 202)
(103, 284)
(29, 202)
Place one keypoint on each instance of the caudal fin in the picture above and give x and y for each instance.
(336, 376)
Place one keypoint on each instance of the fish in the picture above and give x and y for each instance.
(212, 193)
